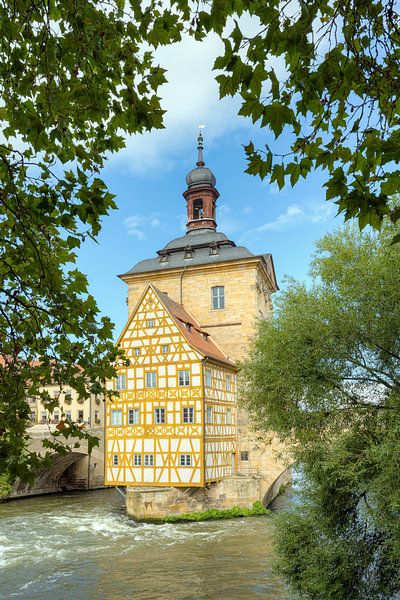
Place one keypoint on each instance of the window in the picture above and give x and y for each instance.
(228, 416)
(188, 414)
(159, 415)
(137, 460)
(43, 415)
(213, 249)
(151, 379)
(209, 415)
(208, 377)
(186, 460)
(188, 252)
(136, 351)
(149, 460)
(165, 349)
(120, 382)
(150, 323)
(183, 378)
(164, 257)
(198, 209)
(56, 395)
(68, 415)
(80, 416)
(97, 416)
(228, 383)
(244, 455)
(115, 460)
(116, 417)
(33, 416)
(68, 395)
(133, 416)
(56, 417)
(218, 297)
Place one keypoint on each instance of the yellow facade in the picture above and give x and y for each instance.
(156, 432)
(88, 412)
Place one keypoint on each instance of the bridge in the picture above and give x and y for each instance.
(73, 471)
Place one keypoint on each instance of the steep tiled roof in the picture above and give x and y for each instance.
(197, 337)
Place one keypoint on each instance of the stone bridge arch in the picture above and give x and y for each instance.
(65, 473)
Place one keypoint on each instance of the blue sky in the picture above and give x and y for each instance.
(148, 178)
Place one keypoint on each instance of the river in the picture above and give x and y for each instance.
(82, 546)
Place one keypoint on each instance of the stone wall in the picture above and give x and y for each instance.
(155, 503)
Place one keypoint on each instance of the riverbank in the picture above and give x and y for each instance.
(83, 546)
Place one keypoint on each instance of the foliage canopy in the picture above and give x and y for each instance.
(74, 78)
(324, 374)
(77, 76)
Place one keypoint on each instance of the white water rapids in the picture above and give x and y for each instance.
(82, 546)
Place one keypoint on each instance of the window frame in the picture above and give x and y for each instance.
(120, 377)
(137, 460)
(183, 373)
(150, 323)
(183, 460)
(207, 377)
(188, 409)
(159, 410)
(148, 373)
(132, 412)
(244, 455)
(148, 458)
(228, 382)
(137, 351)
(115, 460)
(114, 412)
(218, 298)
(165, 348)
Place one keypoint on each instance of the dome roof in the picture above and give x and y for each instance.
(200, 175)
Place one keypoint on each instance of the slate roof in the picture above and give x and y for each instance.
(197, 337)
(199, 241)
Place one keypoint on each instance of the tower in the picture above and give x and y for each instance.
(192, 310)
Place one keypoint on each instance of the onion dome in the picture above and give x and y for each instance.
(200, 175)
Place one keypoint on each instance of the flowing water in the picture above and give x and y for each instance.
(82, 546)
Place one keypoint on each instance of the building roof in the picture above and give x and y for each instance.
(200, 247)
(197, 337)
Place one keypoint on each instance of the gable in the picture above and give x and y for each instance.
(149, 328)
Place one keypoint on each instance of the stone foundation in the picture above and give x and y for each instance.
(155, 503)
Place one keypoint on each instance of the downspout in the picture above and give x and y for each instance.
(181, 284)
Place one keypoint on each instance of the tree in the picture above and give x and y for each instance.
(324, 374)
(74, 79)
(326, 73)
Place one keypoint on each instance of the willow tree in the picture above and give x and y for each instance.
(324, 374)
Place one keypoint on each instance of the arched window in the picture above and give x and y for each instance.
(198, 212)
(218, 297)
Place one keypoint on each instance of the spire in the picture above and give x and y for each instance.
(201, 194)
(200, 158)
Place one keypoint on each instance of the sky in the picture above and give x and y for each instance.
(148, 179)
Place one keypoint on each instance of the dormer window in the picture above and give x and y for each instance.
(164, 257)
(213, 249)
(188, 326)
(188, 252)
(198, 211)
(205, 336)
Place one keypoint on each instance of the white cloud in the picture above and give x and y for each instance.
(136, 223)
(293, 216)
(190, 97)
